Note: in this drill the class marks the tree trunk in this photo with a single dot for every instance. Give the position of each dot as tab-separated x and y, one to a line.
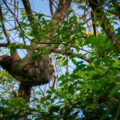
25	92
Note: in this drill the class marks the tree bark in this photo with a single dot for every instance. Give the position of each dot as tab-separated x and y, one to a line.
116	4
100	16
25	91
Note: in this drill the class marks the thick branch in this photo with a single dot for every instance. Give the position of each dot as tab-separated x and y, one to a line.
51	7
13	45
64	52
58	17
60	13
116	4
105	23
27	7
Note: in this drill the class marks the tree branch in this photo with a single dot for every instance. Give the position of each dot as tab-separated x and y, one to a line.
14	54
64	52
60	13
69	53
15	17
51	7
12	13
93	23
8	88
3	26
116	4
27	7
105	23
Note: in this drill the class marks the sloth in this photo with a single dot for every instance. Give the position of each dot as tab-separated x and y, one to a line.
28	71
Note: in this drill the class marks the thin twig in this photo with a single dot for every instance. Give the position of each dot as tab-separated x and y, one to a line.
3	26
8	88
15	18
12	13
15	12
42	92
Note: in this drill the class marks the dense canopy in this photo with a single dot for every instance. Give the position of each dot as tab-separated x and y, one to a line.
61	62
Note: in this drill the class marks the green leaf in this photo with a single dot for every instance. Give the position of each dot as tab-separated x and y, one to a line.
54	109
1	37
89	40
65	62
40	16
74	61
115	91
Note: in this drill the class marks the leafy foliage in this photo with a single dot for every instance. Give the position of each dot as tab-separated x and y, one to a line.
90	91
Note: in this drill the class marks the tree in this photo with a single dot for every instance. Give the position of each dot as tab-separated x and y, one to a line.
92	85
28	71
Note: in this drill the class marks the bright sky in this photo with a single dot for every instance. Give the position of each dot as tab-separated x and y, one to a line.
39	6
